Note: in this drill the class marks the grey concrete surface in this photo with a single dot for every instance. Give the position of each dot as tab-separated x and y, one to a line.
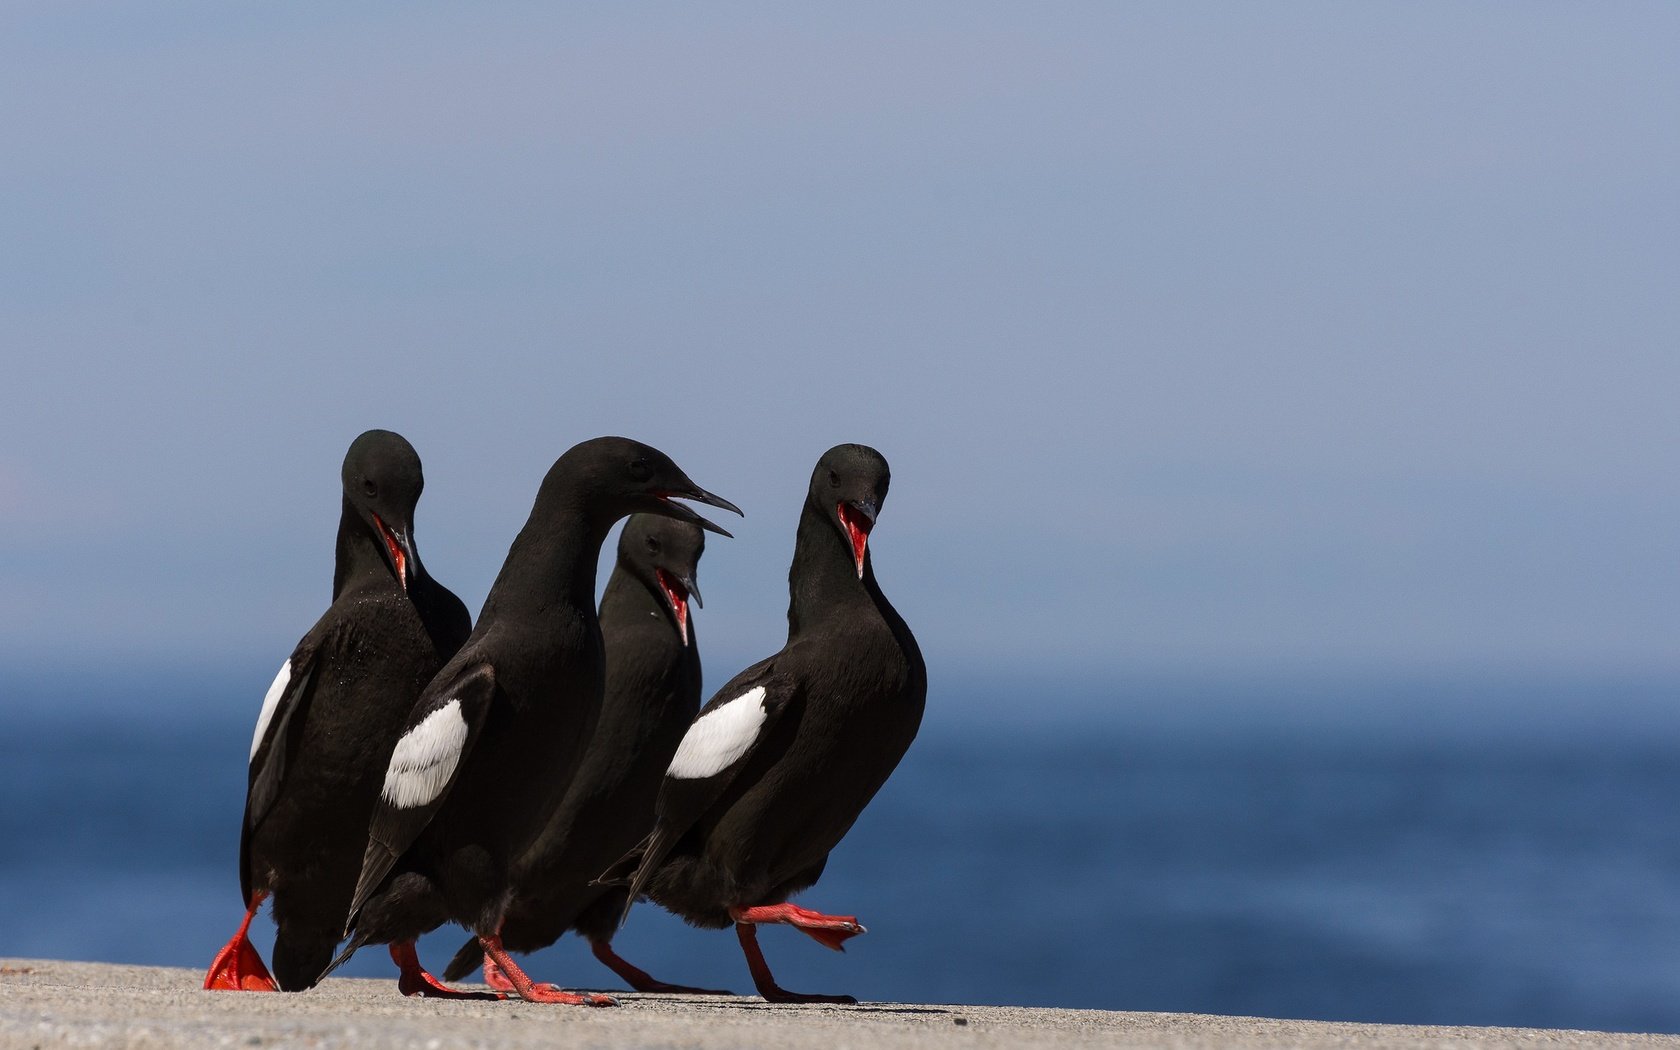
67	1004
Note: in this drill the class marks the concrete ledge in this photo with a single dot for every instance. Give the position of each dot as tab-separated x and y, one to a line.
56	1004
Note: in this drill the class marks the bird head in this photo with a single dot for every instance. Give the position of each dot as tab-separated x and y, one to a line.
848	487
665	556
382	482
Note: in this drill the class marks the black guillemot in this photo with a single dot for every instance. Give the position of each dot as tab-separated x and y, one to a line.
783	759
345	692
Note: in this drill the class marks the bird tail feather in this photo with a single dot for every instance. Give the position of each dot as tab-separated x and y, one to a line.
635	868
350	949
466	960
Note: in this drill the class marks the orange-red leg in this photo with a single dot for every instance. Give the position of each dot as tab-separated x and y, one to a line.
495	978
762	979
414	980
529	990
640	979
238	967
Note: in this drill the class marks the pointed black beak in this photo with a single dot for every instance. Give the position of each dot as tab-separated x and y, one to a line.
693	590
698	495
869	508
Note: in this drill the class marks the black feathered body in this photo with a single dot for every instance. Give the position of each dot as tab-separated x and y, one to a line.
548	670
652	694
848	690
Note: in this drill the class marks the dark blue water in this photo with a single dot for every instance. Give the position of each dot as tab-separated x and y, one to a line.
1381	877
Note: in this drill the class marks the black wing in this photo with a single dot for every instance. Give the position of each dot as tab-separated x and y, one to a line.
718	745
280	723
423	767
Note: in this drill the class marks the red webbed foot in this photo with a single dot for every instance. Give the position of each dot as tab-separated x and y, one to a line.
238	967
414	980
640	979
765	982
531	991
544	992
831	931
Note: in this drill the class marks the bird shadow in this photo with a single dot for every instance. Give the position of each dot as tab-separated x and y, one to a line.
747	1002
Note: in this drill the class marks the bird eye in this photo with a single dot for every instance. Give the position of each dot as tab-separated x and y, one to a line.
653	545
369	487
834	479
640	469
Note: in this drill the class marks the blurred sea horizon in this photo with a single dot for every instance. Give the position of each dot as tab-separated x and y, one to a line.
1416	850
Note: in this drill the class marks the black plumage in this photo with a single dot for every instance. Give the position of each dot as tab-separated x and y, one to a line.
783	759
652	694
344	693
494	740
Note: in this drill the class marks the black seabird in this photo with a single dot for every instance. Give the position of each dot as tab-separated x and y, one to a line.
491	745
652	694
781	761
346	690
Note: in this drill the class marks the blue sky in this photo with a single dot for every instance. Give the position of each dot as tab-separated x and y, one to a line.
1201	338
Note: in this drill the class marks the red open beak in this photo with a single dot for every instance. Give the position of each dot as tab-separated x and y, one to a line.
677	595
398	550
858	523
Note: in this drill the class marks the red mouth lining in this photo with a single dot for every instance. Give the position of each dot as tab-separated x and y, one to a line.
398	559
857	530
677	595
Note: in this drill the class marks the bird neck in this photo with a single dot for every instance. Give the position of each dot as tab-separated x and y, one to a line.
358	560
823	579
443	615
552	560
628	598
631	602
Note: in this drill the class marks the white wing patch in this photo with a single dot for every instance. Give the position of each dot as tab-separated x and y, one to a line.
425	758
718	738
271	700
